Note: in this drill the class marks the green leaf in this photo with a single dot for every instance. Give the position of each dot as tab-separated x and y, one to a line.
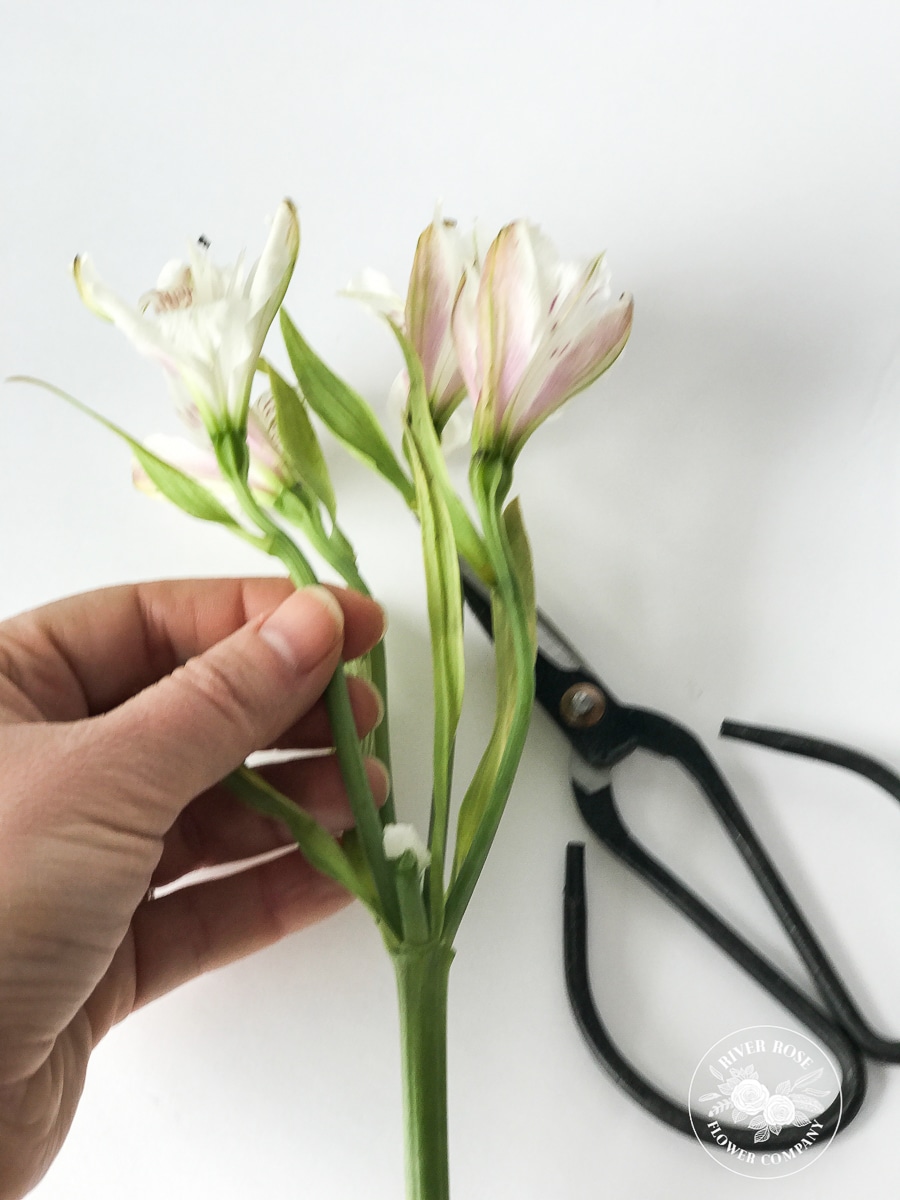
299	442
183	490
448	665
301	510
443	586
480	791
521	563
491	479
343	410
316	844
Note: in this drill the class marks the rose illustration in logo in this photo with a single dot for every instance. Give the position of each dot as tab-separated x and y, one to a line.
781	1111
749	1102
750	1096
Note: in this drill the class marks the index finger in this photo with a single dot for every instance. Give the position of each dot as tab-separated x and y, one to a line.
86	654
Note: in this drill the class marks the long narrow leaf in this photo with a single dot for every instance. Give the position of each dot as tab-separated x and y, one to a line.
342	409
299	442
183	490
316	844
521	562
490	484
478	795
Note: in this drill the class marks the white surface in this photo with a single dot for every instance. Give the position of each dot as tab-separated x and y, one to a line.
715	525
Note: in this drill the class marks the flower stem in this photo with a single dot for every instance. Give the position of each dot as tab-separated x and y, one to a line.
378	662
362	803
338	552
422	974
337	699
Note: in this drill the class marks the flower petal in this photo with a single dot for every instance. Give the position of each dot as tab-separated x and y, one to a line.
464	326
273	272
374	290
437	269
570	367
510	313
186	455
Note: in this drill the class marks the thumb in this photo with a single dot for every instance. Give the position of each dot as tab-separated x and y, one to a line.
177	738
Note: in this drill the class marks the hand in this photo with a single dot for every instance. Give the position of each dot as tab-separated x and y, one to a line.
120	712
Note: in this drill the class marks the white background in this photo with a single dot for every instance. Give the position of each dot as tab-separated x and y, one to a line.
715	524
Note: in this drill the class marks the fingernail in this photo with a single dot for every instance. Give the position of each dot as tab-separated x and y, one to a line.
377	697
377	767
305	628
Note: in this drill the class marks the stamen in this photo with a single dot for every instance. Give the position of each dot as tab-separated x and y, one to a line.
168	299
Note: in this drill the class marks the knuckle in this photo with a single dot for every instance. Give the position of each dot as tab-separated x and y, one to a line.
222	691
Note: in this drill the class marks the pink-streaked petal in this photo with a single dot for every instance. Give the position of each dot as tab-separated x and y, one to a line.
584	295
578	304
553	277
436	273
464	326
509	311
574	368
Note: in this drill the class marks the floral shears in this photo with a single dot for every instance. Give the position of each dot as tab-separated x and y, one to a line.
602	732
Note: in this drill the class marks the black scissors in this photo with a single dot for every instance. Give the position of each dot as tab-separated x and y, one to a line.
603	732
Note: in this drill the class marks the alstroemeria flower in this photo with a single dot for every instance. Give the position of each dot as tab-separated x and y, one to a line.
441	259
205	324
530	332
269	474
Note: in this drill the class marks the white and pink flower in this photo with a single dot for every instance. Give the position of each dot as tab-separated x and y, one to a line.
443	255
531	331
205	324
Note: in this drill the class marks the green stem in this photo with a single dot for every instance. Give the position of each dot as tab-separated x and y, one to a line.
416	931
378	662
337	698
378	659
344	562
362	802
422	974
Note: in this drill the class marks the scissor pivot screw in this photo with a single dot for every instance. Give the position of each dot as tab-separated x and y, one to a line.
582	705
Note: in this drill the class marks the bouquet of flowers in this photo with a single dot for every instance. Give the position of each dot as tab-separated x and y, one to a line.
518	332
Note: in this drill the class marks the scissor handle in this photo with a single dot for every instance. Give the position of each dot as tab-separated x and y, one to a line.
839	1113
805	746
665	737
